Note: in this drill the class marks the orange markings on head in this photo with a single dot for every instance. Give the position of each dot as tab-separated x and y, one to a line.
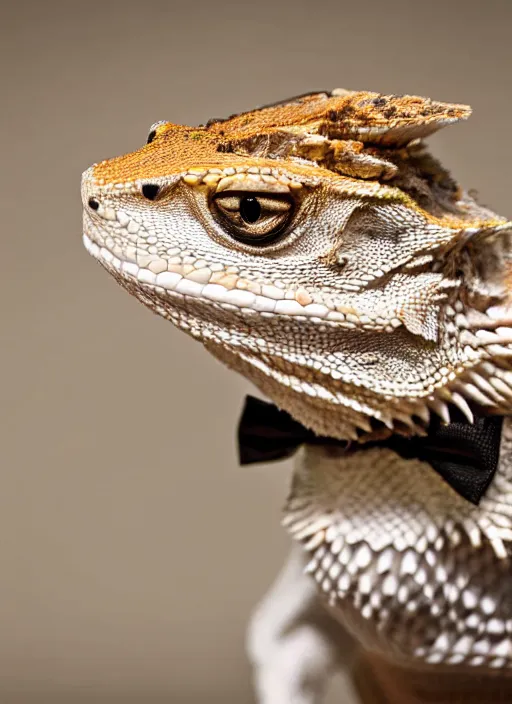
351	110
343	115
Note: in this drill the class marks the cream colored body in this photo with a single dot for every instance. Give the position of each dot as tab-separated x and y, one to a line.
413	572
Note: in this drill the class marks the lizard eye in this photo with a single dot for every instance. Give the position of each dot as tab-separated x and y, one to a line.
153	130
254	218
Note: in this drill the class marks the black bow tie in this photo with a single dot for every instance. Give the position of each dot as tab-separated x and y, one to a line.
465	455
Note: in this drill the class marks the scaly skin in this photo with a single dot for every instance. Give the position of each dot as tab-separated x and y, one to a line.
316	247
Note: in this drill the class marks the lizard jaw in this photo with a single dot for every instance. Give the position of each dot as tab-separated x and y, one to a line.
197	285
350	419
180	292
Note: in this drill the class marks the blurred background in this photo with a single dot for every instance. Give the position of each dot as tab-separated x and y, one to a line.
132	546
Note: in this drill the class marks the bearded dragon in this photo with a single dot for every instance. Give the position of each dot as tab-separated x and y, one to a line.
316	247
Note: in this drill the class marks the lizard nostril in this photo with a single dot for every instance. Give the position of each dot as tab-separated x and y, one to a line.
150	191
93	204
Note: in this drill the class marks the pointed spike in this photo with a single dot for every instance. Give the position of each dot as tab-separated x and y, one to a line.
303	534
486	337
444	393
505	334
501	387
405	419
499	312
462	405
477	319
388	422
301	529
506	376
499	548
363	422
489	369
486	387
499	351
315	541
421	410
296	518
351	432
440	408
473	532
471	391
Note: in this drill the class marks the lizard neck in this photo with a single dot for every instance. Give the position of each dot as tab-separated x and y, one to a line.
401	558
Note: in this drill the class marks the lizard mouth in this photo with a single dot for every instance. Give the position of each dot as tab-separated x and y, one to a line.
231	299
173	282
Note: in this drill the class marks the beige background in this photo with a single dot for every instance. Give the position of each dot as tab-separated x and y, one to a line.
132	546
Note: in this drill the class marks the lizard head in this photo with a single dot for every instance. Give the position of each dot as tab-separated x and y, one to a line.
316	247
